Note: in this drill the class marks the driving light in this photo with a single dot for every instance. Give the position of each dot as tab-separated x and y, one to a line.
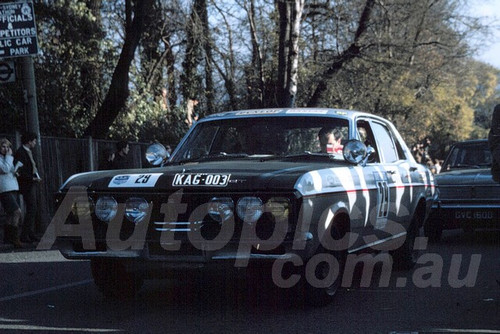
354	151
136	208
279	207
156	154
106	208
249	209
221	208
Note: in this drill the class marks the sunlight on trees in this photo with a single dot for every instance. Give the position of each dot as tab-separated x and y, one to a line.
409	61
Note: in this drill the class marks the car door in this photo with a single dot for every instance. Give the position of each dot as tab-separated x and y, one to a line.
388	180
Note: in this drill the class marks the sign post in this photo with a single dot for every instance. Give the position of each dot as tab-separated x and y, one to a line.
17	30
18	39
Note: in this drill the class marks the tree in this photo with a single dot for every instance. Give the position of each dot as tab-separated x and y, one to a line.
290	16
409	61
345	56
118	92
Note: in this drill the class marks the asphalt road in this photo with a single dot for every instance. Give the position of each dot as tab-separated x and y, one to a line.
454	289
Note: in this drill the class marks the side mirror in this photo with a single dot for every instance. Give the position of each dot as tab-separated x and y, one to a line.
356	152
156	154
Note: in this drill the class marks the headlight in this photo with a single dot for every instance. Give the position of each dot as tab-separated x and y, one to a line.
249	209
105	208
82	206
136	208
221	208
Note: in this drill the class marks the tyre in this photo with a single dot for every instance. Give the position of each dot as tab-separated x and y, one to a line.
323	273
405	257
324	278
112	279
433	229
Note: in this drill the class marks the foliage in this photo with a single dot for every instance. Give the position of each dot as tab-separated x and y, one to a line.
406	60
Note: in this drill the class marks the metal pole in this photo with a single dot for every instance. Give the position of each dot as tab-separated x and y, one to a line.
32	124
28	79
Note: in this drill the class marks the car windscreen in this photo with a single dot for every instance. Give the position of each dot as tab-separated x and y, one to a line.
258	136
475	155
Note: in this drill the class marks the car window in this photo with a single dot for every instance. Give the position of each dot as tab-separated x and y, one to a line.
260	136
386	143
365	135
466	156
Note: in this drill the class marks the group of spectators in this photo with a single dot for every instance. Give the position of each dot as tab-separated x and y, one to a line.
118	159
19	176
422	154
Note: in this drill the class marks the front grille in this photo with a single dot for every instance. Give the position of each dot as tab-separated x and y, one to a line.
177	226
187	218
194	218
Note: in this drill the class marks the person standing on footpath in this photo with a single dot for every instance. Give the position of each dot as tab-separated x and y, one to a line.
9	196
28	178
122	159
107	160
494	143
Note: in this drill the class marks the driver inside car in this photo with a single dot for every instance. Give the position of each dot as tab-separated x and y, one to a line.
330	140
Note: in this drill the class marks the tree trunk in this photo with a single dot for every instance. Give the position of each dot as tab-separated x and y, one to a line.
118	91
208	44
91	71
256	72
290	13
350	53
293	57
284	10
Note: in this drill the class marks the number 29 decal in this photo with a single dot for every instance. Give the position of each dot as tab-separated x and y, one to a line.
134	180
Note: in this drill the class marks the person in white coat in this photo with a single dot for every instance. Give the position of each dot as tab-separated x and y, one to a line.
9	196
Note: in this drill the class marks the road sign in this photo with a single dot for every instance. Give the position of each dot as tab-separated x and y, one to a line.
7	72
17	30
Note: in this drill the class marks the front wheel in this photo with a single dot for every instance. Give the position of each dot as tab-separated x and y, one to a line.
323	275
113	280
405	257
433	229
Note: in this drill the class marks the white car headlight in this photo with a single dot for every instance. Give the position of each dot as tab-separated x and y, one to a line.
249	209
221	208
136	208
106	208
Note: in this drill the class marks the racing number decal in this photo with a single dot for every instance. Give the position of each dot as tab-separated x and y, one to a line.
143	178
134	180
383	199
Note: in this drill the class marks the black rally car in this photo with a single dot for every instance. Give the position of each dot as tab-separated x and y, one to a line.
250	187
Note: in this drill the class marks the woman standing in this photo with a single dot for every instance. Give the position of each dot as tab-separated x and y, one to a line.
9	193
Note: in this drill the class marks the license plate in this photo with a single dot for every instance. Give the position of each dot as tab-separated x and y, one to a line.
476	215
200	179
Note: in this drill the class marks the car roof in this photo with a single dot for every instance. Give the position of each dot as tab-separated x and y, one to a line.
267	112
470	142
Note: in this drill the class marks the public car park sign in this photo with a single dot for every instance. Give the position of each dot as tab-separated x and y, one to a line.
17	30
